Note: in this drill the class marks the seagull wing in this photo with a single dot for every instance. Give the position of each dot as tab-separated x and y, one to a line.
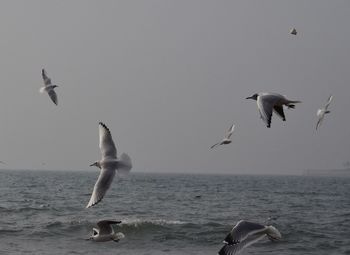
52	95
328	102
213	146
230	131
320	115
47	80
101	186
231	249
265	106
278	109
105	226
107	146
242	230
319	122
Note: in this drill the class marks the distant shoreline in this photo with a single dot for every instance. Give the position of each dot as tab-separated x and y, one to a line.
324	172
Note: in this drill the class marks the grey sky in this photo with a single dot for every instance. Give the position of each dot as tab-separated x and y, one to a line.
169	77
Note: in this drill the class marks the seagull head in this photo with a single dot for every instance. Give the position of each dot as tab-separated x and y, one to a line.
254	97
97	164
93	235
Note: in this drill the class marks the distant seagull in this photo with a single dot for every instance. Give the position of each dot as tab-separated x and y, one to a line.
108	164
268	102
227	139
105	232
49	87
245	233
293	31
323	111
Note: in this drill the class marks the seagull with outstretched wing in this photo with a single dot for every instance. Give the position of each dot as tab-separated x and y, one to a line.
244	234
105	232
108	165
227	138
48	87
271	102
323	111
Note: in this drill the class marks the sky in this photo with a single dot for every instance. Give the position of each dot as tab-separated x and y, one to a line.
169	78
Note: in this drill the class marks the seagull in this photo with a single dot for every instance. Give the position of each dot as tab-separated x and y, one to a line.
245	233
268	102
227	139
108	165
105	232
49	87
323	111
293	31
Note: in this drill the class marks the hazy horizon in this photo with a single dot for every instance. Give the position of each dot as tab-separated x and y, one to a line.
168	78
340	173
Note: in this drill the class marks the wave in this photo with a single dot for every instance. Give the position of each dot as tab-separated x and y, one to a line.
157	222
42	207
7	231
129	227
147	230
136	224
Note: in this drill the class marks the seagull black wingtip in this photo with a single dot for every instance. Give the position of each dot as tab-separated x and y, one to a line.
104	125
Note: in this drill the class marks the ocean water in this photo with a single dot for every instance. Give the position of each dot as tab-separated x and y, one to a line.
43	212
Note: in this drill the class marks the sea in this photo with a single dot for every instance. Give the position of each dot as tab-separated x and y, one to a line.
43	212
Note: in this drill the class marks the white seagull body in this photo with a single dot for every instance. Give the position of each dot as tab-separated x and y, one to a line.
108	165
293	31
245	233
105	232
271	102
49	87
227	139
322	112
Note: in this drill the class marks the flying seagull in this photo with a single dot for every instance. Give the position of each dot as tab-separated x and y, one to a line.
227	139
293	31
323	111
245	233
269	102
49	87
108	165
105	232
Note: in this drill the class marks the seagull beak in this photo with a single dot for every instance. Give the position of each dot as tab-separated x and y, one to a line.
87	239
249	98
93	164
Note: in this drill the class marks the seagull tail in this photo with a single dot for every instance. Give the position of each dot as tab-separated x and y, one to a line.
124	162
118	236
291	104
